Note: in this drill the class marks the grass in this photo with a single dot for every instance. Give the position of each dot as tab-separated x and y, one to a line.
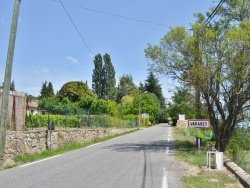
187	152
26	158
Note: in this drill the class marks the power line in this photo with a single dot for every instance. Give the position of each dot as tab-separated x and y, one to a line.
211	16
115	15
76	28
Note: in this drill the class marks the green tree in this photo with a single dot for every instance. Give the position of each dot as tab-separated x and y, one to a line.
109	80
74	90
103	77
12	86
46	90
146	103
125	87
215	60
50	90
97	79
152	85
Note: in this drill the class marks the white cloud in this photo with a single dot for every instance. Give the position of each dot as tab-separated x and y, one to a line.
72	60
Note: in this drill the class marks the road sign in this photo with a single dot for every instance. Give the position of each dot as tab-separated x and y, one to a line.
199	123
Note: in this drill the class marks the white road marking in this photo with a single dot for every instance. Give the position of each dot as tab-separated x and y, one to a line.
168	139
115	137
164	182
167	150
39	161
92	145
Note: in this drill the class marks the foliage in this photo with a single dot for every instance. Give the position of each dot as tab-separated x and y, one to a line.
214	62
103	77
126	86
152	85
183	103
238	147
109	80
60	121
86	102
74	91
97	76
56	106
105	107
147	103
46	90
12	86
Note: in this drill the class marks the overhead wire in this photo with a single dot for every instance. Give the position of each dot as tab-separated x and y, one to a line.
211	16
76	28
115	15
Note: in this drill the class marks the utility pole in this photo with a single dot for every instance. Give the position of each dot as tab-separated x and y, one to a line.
7	82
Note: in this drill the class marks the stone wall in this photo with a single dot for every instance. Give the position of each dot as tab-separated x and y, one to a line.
16	110
21	142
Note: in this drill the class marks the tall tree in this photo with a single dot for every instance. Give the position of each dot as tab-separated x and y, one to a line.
109	80
97	79
103	77
50	90
43	91
46	90
152	85
222	70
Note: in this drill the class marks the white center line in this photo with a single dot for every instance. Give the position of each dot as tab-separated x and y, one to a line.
164	182
39	161
167	150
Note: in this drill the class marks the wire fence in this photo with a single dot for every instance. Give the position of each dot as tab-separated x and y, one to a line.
82	118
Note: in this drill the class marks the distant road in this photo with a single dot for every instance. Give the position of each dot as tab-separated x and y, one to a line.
143	159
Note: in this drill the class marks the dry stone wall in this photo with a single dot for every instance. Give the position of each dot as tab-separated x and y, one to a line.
21	142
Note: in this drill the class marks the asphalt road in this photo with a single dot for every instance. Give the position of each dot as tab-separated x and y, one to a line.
139	160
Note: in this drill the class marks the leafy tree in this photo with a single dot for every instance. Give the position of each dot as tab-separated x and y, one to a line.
126	86
86	102
126	105
109	80
46	90
97	79
152	85
215	60
183	103
74	90
105	107
146	103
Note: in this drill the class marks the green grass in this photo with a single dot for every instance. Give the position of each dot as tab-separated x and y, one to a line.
25	158
186	151
210	180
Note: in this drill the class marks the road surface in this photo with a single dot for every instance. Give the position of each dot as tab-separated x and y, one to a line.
143	159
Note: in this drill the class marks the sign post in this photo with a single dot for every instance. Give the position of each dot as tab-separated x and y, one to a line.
198	123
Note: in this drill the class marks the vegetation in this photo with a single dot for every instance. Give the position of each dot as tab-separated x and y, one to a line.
198	177
46	90
74	91
103	77
214	62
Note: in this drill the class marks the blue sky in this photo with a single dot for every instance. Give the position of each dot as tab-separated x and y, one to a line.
49	48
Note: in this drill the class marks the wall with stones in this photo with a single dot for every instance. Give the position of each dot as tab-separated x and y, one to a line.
21	142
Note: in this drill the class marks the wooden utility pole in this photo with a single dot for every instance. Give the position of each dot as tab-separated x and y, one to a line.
7	82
